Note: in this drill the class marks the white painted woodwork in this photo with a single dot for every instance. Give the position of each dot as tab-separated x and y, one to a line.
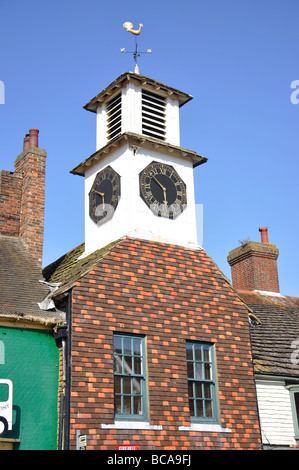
275	412
132	115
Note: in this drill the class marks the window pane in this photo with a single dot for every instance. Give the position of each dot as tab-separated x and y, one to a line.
198	356
127	405
117	345
191	406
137	365
136	386
127	385
117	404
209	409
208	391
127	346
137	347
199	408
198	370
128	365
208	371
137	406
190	372
118	364
198	390
190	389
206	353
189	352
117	385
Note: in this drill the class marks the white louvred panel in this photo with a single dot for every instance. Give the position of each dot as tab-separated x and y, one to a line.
114	117
153	115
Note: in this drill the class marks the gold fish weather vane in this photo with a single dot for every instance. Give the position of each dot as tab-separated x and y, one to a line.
136	53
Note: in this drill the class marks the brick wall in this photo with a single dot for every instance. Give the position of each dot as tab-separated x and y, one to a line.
254	267
32	164
10	202
22	199
170	295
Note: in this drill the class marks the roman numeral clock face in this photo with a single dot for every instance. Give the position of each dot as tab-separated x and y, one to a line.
104	195
162	190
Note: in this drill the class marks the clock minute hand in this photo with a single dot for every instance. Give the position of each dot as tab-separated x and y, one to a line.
164	190
161	186
164	194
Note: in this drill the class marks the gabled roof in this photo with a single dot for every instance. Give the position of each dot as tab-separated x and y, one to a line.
275	338
20	286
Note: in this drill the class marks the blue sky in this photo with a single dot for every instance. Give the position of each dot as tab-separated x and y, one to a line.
237	58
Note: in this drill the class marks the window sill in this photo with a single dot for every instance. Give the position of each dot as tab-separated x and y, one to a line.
204	427
132	425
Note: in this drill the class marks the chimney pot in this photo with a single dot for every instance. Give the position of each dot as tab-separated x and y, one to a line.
26	141
264	234
33	137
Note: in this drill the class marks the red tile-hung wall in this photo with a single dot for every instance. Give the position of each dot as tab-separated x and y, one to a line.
171	295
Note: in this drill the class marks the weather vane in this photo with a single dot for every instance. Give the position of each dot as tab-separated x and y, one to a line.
136	53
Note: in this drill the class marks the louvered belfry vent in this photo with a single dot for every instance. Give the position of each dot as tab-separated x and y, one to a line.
114	117
153	115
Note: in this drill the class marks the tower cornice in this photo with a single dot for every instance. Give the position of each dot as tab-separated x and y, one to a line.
135	141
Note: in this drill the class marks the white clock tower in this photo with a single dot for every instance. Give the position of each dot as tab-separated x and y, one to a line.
139	182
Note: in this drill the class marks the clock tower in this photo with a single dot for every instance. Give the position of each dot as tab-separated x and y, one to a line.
153	329
139	182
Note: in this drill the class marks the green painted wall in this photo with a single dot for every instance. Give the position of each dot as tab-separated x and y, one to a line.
30	358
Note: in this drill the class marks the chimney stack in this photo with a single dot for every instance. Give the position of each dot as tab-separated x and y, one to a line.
254	265
23	197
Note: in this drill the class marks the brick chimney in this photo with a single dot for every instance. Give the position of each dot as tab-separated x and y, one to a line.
22	197
254	265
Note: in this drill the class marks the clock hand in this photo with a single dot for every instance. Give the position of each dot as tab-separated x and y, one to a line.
101	194
164	189
164	194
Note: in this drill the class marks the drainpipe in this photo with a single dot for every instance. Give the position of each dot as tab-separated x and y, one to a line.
63	335
68	372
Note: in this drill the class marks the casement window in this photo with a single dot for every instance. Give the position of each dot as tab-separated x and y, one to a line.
201	382
129	377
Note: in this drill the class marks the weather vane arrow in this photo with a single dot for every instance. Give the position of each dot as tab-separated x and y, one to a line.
136	53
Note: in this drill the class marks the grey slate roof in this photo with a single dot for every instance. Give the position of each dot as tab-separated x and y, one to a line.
275	339
20	286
